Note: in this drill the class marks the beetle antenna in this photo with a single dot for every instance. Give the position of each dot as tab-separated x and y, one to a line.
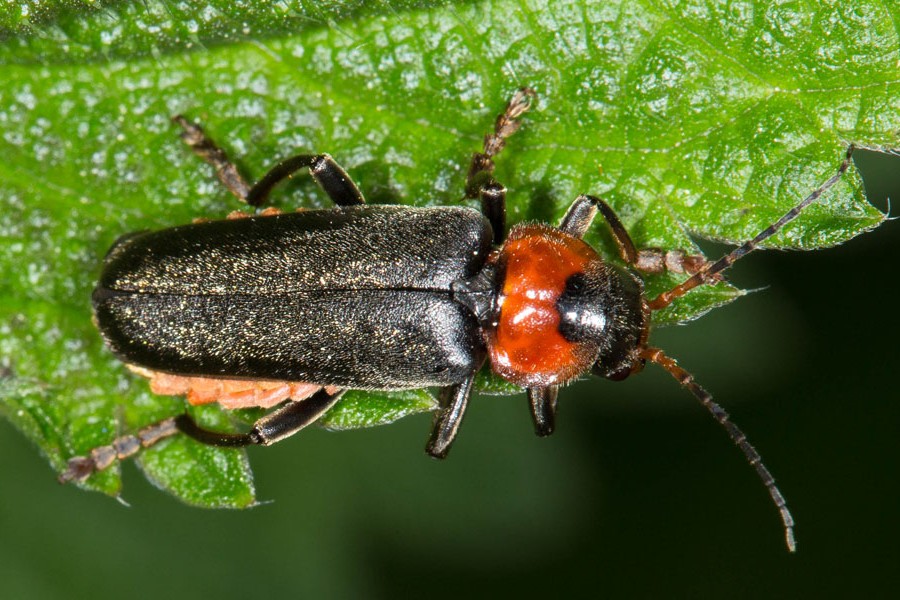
737	436
707	275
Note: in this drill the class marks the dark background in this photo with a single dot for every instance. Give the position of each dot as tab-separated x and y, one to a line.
638	494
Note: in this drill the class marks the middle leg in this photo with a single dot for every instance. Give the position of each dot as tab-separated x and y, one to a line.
323	169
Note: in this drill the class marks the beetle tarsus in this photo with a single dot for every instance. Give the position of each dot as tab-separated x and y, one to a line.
203	146
657	260
79	468
507	122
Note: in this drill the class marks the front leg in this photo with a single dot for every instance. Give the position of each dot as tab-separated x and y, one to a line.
480	182
657	260
581	214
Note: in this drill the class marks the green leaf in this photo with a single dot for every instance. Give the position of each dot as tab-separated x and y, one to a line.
201	475
694	118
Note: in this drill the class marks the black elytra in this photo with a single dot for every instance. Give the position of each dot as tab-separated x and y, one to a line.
389	298
331	297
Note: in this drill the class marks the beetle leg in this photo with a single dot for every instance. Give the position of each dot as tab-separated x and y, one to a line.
709	274
482	167
480	182
80	468
327	173
272	428
657	260
194	136
578	220
453	400
543	408
580	215
493	207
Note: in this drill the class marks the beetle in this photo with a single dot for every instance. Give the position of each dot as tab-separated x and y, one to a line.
296	308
